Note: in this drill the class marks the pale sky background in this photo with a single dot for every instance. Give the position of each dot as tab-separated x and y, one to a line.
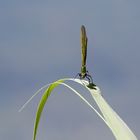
39	43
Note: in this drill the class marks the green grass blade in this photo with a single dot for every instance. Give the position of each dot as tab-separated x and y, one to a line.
111	119
47	94
42	104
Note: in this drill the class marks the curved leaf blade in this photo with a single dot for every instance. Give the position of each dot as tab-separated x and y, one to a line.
109	116
42	104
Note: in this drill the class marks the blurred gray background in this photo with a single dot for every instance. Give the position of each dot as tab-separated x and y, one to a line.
39	43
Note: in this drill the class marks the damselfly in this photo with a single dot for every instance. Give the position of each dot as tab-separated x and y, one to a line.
84	73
